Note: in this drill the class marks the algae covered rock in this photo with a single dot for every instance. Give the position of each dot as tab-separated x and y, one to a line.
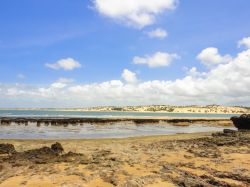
242	122
57	148
7	149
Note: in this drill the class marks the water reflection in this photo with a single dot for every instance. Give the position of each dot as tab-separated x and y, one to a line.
94	131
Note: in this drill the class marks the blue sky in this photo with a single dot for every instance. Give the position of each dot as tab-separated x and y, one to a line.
105	42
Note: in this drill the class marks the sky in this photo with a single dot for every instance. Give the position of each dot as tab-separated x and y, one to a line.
83	53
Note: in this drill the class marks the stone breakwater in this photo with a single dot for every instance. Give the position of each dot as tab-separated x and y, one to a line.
81	121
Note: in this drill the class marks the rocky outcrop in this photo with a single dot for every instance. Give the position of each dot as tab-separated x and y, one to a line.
80	121
242	122
7	149
42	155
57	148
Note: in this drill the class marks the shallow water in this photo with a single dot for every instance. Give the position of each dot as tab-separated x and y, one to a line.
54	113
93	131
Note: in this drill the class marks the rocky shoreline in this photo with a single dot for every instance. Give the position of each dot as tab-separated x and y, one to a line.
218	159
81	121
242	122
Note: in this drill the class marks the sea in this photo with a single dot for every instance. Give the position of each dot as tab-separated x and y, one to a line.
58	113
97	131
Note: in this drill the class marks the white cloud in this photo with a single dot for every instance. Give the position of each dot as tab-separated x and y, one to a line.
210	57
193	72
158	59
58	85
138	13
129	76
61	83
244	42
226	83
67	64
65	80
158	33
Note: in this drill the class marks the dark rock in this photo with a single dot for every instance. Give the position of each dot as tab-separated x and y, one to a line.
38	124
74	157
213	182
42	155
242	122
5	122
57	148
42	152
189	180
229	131
235	176
1	168
7	149
144	121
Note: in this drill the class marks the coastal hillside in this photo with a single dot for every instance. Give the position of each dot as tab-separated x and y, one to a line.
176	109
209	109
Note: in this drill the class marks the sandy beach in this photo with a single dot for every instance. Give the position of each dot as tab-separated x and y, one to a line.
201	159
191	109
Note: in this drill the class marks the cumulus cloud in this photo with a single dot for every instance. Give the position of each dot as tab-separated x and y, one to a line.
193	72
158	59
66	64
129	76
227	83
58	85
210	57
158	33
244	42
138	13
61	83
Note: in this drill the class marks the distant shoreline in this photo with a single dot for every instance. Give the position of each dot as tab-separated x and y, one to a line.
164	109
84	110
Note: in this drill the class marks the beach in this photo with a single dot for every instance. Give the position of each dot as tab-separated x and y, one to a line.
124	93
221	159
123	151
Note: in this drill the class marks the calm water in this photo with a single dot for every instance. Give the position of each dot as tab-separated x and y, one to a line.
88	131
44	113
93	131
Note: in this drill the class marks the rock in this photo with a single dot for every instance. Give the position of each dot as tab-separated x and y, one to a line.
57	148
145	121
74	157
132	183
42	152
242	122
1	168
7	149
229	131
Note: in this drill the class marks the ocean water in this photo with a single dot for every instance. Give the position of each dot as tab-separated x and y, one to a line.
54	113
94	131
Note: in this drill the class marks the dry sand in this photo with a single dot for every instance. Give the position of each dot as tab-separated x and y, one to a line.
161	161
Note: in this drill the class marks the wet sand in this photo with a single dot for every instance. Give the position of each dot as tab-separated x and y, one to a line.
176	160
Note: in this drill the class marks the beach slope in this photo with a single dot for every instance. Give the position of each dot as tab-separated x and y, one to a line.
221	159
